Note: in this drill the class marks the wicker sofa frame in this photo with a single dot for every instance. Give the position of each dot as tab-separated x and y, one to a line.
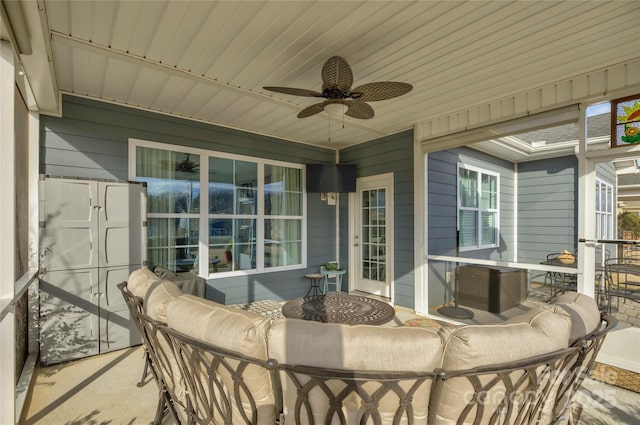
535	390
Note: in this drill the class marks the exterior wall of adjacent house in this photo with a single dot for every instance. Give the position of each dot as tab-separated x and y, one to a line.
90	140
391	154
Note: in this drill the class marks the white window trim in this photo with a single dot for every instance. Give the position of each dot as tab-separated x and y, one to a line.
204	215
480	172
610	232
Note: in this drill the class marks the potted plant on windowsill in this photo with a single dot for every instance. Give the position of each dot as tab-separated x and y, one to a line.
227	253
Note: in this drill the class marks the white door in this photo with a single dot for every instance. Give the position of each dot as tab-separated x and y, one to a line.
372	233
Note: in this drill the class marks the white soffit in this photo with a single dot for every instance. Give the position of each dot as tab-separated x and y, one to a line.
208	60
489	120
522	124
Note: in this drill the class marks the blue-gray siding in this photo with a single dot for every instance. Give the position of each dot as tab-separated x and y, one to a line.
547	207
442	202
90	140
391	154
442	212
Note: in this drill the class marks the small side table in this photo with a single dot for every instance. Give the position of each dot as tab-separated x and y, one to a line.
314	282
328	274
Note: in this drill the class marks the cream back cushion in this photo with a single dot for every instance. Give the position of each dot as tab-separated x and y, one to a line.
140	281
231	329
359	347
158	296
473	346
581	309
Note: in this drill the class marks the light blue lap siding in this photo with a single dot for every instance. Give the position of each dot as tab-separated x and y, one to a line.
443	201
548	205
442	204
392	154
90	140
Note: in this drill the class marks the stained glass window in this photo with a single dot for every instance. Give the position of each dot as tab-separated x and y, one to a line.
625	119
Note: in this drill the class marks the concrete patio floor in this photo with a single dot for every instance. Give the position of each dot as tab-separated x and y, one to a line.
101	390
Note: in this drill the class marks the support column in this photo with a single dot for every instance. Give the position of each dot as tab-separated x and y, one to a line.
8	240
586	210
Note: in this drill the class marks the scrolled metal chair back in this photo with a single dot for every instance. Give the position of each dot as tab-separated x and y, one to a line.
136	310
514	393
530	391
588	348
225	387
163	365
318	396
133	304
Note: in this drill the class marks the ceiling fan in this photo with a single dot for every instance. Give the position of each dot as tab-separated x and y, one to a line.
187	165
337	79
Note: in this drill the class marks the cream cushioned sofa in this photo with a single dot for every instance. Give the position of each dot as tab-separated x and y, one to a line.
360	348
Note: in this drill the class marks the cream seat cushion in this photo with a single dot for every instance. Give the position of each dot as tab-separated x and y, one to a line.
364	347
473	346
230	329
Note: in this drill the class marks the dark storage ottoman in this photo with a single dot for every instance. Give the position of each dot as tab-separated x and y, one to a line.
491	288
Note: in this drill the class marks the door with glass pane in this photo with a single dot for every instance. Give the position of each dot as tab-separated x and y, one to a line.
373	235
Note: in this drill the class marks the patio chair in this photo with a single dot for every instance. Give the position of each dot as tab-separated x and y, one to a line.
135	303
589	347
529	391
224	387
157	361
622	280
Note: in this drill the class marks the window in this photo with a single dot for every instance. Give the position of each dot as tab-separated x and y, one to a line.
604	210
478	215
250	217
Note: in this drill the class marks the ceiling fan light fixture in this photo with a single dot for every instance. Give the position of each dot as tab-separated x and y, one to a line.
337	79
335	109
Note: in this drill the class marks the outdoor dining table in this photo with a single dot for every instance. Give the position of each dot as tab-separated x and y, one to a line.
560	281
337	307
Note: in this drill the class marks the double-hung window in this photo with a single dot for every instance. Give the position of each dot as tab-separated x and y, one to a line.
216	213
478	208
604	210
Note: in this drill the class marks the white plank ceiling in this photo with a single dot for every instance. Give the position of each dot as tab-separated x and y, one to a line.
208	61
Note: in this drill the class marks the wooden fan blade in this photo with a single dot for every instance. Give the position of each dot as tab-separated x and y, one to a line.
336	74
294	91
359	109
312	110
382	90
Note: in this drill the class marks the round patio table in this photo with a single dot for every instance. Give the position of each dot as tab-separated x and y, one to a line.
339	308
